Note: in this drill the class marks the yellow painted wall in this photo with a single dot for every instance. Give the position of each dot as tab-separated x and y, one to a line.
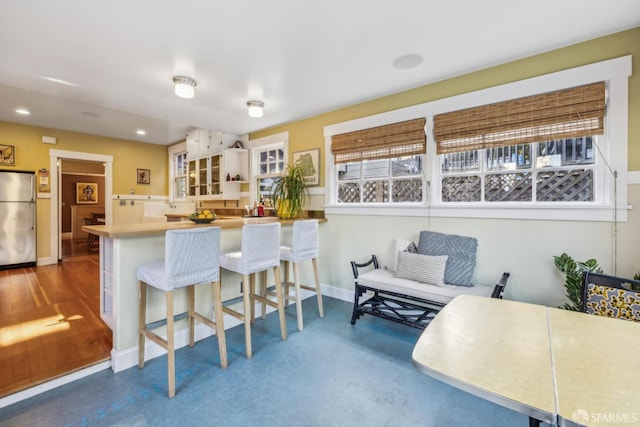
31	155
525	248
308	133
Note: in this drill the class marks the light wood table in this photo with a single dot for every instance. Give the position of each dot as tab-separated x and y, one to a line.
556	366
596	363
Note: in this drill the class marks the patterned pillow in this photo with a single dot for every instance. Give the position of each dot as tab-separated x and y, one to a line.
612	302
421	268
412	248
461	251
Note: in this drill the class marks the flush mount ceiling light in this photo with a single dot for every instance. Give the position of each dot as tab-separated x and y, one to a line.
255	108
184	86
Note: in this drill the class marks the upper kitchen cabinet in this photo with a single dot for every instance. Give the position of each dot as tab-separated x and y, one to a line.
218	176
213	170
202	142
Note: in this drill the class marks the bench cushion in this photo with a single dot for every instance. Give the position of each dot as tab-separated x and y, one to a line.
385	281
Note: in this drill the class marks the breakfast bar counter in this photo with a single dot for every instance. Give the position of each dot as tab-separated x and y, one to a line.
123	247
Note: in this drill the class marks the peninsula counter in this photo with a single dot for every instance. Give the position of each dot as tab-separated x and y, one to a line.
123	247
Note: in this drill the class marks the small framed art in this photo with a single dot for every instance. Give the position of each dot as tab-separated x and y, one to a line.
7	155
143	176
309	161
86	193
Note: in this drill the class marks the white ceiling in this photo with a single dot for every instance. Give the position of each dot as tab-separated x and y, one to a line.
301	58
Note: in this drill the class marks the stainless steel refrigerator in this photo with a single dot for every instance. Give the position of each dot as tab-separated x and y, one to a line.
17	219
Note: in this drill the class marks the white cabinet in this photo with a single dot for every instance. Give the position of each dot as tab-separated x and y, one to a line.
207	176
210	163
201	142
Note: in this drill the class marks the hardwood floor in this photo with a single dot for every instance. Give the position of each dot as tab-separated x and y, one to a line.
50	320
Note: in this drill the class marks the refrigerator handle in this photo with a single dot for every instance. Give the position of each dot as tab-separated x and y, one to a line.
33	216
33	187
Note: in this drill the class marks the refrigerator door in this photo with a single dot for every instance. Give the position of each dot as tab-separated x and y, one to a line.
17	187
17	234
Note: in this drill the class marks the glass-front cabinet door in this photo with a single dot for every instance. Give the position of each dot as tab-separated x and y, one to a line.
192	178
204	177
203	180
214	175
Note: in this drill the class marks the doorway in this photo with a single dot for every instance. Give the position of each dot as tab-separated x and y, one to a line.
57	157
76	176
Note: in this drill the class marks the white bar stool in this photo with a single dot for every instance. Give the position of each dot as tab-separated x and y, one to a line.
191	258
260	251
303	246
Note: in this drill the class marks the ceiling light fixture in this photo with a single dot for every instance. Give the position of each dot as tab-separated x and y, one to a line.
255	108
23	111
184	86
141	132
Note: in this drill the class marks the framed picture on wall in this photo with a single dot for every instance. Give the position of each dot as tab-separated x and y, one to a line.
86	193
143	176
7	155
309	161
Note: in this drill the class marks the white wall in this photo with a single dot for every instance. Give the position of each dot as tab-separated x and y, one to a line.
525	248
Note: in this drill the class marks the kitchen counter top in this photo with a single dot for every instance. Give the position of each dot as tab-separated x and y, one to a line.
158	228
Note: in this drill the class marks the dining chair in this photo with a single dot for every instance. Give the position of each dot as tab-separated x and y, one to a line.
259	252
191	258
610	296
303	247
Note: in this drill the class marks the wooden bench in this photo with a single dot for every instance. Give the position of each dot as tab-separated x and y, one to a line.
379	293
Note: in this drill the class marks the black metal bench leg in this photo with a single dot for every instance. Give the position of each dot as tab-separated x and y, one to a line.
533	422
356	299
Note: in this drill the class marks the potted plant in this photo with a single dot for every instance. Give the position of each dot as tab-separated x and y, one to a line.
289	192
573	272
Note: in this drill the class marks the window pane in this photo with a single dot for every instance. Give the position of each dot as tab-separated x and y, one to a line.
349	171
511	157
349	192
460	162
462	189
375	168
508	187
375	191
575	185
407	190
406	166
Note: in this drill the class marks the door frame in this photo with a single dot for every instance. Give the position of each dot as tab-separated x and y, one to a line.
55	156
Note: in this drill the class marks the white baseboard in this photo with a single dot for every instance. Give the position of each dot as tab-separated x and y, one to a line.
46	261
127	358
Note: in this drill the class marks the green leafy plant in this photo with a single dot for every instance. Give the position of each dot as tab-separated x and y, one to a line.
573	272
289	192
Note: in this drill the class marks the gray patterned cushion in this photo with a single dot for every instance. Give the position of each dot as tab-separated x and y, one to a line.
461	251
421	268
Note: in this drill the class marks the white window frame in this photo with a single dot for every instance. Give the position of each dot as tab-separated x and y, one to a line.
614	146
174	151
260	145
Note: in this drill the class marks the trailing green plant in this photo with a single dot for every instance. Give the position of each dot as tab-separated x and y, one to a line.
289	192
573	272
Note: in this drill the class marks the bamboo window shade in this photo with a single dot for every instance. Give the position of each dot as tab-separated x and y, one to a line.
567	113
382	142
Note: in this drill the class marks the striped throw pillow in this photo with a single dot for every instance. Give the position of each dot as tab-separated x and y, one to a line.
421	268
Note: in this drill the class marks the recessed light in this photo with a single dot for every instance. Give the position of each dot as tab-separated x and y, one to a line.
141	132
407	61
23	111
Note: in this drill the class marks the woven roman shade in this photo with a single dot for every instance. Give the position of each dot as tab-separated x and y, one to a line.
567	113
382	142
